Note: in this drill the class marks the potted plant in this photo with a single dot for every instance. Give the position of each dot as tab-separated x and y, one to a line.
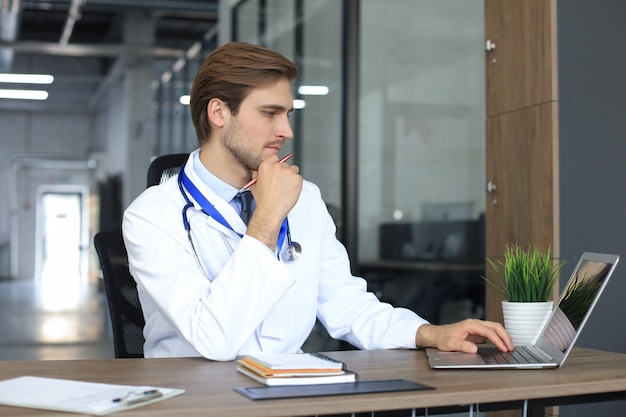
526	279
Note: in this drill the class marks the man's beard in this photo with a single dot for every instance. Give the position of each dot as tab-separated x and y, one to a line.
245	156
238	150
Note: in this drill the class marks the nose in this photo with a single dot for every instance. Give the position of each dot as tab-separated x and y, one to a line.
283	129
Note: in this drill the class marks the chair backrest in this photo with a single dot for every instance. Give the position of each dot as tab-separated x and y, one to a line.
164	167
127	318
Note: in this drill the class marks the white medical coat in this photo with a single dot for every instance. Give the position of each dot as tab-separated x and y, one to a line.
249	301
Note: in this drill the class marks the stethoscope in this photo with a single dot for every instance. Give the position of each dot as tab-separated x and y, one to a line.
290	253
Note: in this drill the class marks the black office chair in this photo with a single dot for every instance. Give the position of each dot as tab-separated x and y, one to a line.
125	310
127	318
164	167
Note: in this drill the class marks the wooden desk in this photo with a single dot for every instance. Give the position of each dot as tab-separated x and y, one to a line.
210	385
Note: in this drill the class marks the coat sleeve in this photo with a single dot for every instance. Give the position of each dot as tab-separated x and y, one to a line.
351	313
215	314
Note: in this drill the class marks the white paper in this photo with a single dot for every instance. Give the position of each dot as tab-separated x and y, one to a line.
74	396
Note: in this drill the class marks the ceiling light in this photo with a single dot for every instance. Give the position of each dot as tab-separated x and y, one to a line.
313	90
297	103
178	65
194	50
166	77
26	78
24	94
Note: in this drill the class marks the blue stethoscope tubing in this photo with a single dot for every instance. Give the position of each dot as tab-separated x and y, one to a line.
292	251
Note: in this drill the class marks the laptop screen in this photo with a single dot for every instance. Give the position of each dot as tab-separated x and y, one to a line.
577	300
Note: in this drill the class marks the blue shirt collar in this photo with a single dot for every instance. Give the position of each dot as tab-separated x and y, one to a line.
221	188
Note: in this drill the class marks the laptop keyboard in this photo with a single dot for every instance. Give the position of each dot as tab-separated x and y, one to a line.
521	354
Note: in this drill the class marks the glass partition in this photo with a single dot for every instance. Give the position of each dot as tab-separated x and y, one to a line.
246	20
421	152
420	160
321	118
309	33
421	133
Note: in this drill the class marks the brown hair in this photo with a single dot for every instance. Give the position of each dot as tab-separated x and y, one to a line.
229	73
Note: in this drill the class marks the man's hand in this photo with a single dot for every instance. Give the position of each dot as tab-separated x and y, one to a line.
276	191
463	336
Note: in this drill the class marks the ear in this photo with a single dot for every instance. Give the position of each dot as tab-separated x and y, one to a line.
217	112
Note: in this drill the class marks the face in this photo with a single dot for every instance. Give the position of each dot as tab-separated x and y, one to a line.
261	126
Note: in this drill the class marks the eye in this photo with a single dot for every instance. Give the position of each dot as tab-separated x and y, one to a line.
270	113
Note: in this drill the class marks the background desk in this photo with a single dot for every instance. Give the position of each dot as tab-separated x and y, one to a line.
587	375
390	266
431	284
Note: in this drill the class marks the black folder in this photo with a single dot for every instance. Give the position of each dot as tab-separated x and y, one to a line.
360	387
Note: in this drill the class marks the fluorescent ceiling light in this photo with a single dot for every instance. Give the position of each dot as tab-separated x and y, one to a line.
194	50
178	65
166	77
26	78
24	94
313	90
297	103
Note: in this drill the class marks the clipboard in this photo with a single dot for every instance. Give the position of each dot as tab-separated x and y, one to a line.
78	396
360	387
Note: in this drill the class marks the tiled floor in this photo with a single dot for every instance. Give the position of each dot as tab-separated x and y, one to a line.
40	321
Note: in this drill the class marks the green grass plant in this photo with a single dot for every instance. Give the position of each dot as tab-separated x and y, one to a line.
525	275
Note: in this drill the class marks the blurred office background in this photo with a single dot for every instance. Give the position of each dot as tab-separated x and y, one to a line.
391	127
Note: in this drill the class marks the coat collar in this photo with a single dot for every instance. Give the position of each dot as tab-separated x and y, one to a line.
223	206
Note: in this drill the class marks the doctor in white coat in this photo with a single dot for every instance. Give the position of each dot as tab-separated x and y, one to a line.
212	286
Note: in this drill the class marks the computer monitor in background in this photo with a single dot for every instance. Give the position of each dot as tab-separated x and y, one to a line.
452	241
448	211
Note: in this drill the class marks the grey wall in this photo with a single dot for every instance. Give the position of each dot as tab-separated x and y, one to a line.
29	143
592	101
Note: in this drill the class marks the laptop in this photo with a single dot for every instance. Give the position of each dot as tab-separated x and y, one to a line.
556	339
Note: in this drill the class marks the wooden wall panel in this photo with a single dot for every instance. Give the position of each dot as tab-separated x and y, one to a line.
523	208
521	70
522	133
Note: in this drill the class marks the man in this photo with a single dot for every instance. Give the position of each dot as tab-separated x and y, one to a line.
212	286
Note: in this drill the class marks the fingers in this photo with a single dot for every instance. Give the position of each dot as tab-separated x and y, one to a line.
463	336
497	335
276	191
488	330
278	183
275	169
467	347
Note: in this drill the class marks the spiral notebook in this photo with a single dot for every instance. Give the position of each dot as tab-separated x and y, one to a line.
279	369
274	364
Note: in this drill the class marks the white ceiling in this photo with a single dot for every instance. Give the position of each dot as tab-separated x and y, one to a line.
81	43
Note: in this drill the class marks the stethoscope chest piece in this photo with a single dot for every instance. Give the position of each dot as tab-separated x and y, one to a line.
292	252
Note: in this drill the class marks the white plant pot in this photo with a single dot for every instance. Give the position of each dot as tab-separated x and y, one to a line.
524	321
